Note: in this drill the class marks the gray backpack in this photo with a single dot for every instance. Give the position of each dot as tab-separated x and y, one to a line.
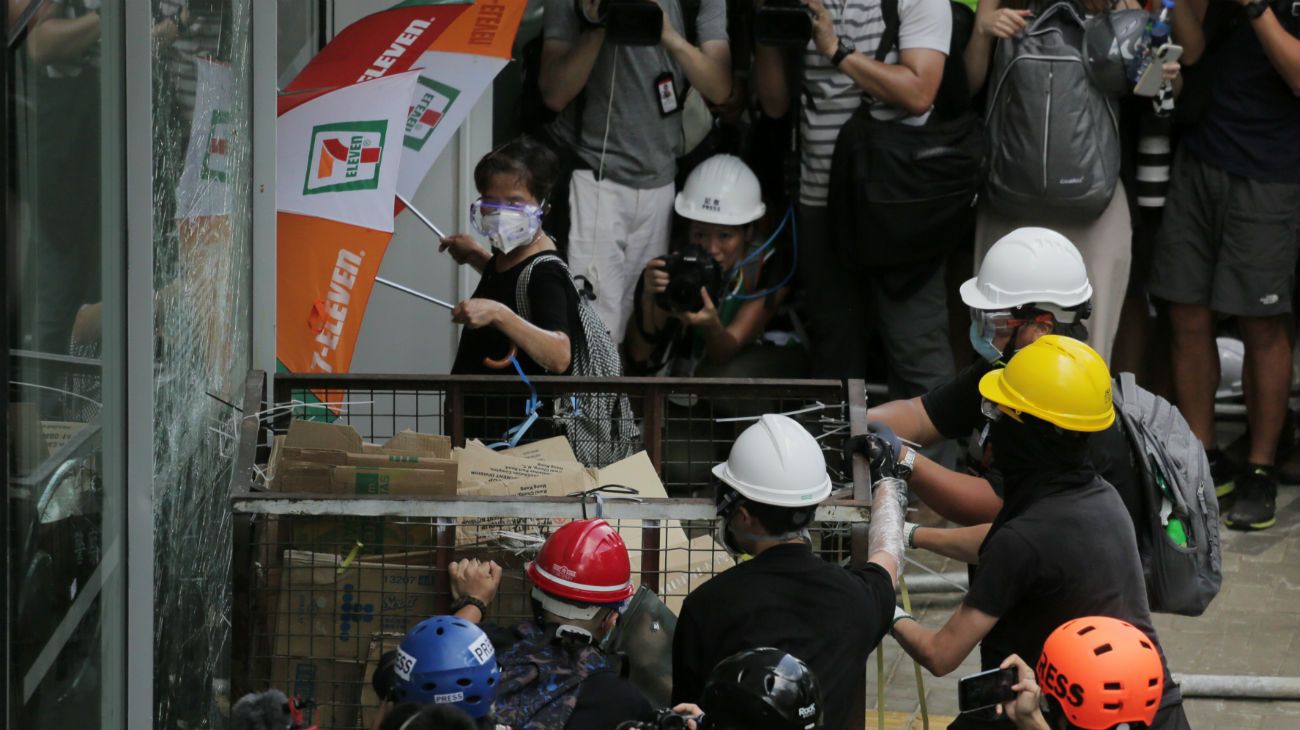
1182	563
1053	136
600	426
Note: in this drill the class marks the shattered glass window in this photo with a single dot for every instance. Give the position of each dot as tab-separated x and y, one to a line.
202	282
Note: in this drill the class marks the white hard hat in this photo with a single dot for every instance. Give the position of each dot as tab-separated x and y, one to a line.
1029	266
1232	358
722	190
777	462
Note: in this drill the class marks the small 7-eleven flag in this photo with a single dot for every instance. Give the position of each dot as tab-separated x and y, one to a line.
338	154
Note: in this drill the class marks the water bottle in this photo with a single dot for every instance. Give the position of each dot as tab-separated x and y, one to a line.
1154	36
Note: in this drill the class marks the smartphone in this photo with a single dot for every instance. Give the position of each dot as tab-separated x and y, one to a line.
986	689
1149	83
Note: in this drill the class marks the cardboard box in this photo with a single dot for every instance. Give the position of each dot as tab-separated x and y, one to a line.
328	607
334	686
331	458
379	643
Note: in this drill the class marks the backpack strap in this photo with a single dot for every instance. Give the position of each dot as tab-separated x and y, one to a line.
525	276
889	39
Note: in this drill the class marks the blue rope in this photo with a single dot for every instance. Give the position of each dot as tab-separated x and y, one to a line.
794	261
531	409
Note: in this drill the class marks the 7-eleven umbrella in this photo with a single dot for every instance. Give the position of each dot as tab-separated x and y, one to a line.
459	49
337	159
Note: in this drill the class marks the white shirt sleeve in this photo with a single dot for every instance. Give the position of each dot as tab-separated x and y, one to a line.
924	24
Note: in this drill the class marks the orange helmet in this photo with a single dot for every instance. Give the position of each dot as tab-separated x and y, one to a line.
1103	672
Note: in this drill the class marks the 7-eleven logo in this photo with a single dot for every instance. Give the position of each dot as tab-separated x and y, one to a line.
214	156
345	156
432	100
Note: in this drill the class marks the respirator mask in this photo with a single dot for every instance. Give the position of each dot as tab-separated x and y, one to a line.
506	226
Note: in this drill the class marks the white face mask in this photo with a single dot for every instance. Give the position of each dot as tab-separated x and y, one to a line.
506	226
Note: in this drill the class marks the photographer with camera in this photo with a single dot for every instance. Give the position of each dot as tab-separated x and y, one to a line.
703	311
554	673
785	596
756	689
623	146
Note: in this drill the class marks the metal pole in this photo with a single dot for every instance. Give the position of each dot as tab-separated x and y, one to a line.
423	218
414	293
1239	686
937	583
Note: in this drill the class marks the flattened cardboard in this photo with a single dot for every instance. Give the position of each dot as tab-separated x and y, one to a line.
331	458
328	607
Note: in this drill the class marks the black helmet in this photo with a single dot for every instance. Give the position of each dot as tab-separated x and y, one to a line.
762	689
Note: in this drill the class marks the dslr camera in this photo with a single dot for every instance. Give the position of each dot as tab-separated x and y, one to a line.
626	22
783	24
689	270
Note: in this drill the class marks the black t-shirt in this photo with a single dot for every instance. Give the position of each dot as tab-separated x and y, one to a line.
1251	126
605	701
552	304
786	597
954	409
1068	555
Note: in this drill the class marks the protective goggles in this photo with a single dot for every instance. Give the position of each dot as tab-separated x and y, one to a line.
480	209
992	323
990	410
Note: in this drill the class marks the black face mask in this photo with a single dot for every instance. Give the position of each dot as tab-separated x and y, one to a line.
1036	459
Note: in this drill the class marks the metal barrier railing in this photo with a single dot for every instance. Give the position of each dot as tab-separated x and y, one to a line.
325	582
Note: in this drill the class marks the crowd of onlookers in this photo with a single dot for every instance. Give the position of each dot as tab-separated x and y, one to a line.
734	203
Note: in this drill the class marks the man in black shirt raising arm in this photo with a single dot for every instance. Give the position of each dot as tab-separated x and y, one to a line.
785	596
1062	546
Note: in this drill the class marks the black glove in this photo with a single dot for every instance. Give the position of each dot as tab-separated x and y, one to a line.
880	446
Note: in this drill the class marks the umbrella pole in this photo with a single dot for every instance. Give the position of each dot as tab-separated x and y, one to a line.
423	219
414	293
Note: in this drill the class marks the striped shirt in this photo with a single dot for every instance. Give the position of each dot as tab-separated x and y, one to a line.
831	97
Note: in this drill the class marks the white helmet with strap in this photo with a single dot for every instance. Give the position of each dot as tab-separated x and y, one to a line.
1034	266
776	462
721	190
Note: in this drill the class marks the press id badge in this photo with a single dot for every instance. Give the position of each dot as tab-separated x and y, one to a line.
666	92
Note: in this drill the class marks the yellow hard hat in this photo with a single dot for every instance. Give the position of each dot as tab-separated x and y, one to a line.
1058	379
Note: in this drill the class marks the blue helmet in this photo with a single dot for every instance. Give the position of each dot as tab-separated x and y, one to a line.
447	660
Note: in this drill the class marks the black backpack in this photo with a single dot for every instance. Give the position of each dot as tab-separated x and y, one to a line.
905	195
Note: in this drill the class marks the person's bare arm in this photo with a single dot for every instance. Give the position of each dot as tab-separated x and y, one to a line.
909	419
910	84
1282	48
962	498
1188	17
62	39
708	67
549	349
944	650
770	83
722	343
566	67
992	21
958	543
654	280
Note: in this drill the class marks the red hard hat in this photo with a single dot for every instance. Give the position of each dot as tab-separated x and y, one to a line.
585	562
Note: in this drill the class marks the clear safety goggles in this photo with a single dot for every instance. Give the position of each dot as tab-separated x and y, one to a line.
481	208
991	323
990	410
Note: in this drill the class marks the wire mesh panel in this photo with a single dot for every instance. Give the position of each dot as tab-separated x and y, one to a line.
327	583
